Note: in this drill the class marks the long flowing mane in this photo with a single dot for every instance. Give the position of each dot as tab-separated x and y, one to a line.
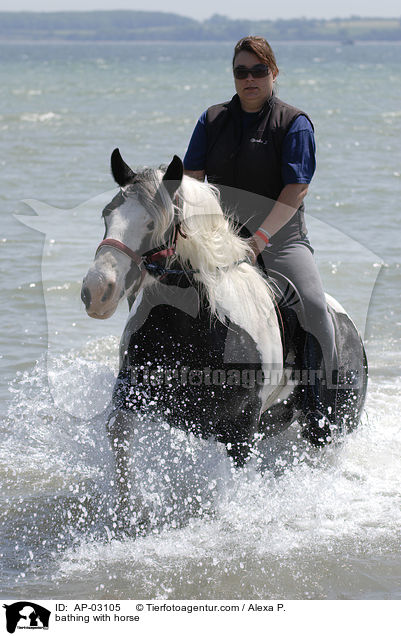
211	246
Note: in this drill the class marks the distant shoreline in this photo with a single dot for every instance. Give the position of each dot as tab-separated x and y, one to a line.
200	42
153	26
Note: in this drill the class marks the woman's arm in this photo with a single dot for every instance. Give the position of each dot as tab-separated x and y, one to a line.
288	202
195	157
298	167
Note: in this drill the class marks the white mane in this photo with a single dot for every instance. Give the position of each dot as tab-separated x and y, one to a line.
213	247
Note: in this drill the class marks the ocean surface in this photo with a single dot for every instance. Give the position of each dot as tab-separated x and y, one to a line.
295	524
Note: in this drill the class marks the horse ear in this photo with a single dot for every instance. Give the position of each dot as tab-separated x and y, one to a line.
121	172
173	176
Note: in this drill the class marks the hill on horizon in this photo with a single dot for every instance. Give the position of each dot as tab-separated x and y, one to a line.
126	25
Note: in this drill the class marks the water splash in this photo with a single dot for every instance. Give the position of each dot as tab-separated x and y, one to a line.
211	531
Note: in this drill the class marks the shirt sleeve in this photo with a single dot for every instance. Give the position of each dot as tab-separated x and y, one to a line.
299	152
195	157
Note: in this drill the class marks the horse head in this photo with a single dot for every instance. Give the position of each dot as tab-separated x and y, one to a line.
137	219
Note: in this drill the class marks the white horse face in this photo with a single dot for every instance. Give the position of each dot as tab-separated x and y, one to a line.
113	274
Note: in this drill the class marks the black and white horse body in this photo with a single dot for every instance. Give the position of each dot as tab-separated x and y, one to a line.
202	346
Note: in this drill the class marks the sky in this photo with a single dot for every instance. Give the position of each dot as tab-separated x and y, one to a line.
251	9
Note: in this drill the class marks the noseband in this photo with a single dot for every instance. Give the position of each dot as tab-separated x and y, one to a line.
110	242
150	260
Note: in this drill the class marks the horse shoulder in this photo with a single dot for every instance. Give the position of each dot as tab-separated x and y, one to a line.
250	306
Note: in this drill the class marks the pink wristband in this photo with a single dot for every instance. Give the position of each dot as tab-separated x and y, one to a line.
262	236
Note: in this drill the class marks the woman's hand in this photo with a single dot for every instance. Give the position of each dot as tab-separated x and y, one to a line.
257	245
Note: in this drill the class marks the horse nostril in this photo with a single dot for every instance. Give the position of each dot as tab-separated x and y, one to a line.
86	296
108	292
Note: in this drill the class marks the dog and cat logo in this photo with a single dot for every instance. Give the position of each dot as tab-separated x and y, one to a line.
26	615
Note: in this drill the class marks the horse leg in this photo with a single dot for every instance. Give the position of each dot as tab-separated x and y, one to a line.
239	452
118	431
342	397
282	414
238	435
119	428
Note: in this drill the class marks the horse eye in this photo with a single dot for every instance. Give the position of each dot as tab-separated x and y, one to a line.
151	226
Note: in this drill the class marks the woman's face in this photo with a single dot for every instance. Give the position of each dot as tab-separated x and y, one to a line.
252	91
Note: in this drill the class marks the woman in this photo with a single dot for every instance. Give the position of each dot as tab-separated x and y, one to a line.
265	149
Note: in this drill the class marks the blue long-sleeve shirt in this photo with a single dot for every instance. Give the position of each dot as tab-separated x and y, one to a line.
298	154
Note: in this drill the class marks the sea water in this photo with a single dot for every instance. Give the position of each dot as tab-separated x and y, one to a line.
297	523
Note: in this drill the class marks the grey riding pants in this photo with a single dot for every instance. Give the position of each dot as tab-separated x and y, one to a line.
295	260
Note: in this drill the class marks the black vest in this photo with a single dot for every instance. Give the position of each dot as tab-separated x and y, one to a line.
250	162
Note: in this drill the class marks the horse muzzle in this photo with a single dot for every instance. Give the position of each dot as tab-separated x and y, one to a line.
100	297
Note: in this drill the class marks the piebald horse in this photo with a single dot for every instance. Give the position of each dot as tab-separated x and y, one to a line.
202	347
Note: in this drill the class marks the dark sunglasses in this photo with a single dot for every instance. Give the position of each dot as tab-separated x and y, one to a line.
259	70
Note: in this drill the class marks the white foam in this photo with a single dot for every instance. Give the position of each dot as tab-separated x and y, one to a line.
204	518
39	117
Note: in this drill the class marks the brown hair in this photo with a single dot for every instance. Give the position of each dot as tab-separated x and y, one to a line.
261	48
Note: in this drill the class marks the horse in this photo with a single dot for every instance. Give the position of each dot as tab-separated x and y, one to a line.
202	348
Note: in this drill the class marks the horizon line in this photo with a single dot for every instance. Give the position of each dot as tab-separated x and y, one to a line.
303	17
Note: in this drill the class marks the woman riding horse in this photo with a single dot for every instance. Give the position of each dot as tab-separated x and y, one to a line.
258	144
202	348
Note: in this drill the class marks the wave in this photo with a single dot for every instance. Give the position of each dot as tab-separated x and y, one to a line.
39	117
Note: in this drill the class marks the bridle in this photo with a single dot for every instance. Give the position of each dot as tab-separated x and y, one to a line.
151	260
